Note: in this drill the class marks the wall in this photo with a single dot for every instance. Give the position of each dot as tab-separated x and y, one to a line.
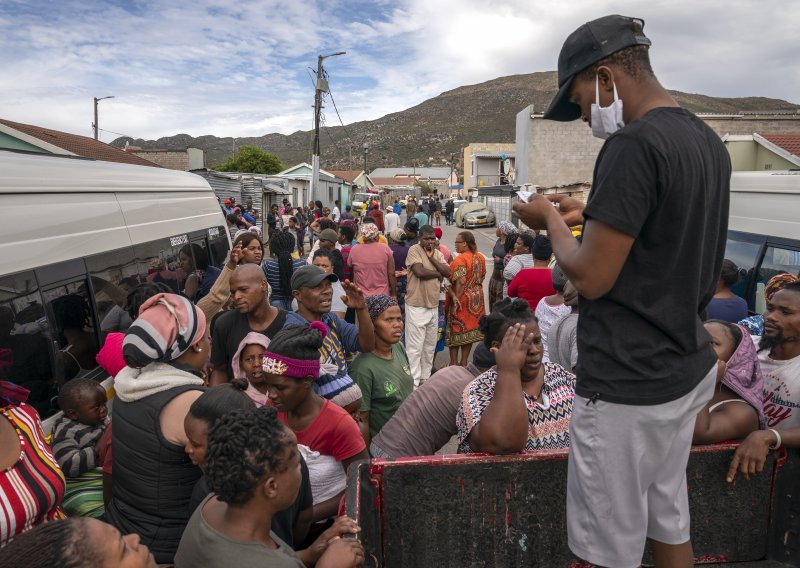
743	154
560	153
768	160
12	143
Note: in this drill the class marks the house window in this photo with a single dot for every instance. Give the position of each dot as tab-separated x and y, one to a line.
767	166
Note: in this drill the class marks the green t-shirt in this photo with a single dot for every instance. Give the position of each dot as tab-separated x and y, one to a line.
385	384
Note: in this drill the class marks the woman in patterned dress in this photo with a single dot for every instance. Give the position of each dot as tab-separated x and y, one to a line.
465	305
493	417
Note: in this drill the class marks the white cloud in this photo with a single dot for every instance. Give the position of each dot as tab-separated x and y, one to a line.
241	70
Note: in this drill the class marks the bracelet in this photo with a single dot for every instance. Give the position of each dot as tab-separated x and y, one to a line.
777	437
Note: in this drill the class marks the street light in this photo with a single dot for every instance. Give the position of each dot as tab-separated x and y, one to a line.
95	126
366	149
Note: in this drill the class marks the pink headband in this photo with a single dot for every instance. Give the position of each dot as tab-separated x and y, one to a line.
288	367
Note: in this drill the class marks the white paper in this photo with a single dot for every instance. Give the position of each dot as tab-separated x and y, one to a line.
524	195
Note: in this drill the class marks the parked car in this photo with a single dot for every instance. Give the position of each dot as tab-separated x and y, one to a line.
474	214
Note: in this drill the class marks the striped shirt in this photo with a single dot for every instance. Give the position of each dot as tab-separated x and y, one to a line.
74	445
273	274
30	490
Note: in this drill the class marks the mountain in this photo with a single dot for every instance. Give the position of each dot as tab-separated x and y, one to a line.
428	133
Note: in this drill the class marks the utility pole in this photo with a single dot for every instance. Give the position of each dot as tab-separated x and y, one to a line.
95	125
366	148
320	87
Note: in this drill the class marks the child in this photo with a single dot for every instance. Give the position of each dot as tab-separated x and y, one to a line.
253	466
739	382
76	438
246	364
291	365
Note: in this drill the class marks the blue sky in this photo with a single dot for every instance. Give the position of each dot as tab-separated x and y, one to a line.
242	68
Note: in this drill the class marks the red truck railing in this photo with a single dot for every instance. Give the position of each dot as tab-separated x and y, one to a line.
480	510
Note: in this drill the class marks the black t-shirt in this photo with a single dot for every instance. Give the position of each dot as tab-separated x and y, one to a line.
663	179
228	330
282	522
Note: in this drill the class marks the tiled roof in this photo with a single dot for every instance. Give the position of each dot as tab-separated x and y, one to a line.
80	145
347	175
788	142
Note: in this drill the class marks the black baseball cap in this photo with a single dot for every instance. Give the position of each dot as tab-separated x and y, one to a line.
585	46
310	276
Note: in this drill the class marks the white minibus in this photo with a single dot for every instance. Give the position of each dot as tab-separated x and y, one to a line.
764	230
76	236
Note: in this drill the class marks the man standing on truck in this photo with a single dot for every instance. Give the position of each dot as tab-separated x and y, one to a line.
658	205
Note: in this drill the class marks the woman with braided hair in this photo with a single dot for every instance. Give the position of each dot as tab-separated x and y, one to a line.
253	468
330	435
280	267
493	417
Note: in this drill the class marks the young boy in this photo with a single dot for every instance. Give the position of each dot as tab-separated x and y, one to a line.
76	446
253	466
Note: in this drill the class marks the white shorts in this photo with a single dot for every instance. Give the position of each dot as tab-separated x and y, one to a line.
626	480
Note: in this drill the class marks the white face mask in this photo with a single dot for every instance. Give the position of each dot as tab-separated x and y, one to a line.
606	120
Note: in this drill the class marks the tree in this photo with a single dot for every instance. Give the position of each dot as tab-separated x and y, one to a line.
252	160
424	186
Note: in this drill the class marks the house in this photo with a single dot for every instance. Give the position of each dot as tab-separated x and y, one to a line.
331	187
759	152
439	178
489	164
184	160
358	179
30	138
263	190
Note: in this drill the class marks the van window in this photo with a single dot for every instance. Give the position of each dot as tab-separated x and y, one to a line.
744	250
159	261
217	246
777	260
69	310
114	274
25	340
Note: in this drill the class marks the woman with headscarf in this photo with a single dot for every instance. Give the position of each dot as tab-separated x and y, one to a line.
739	381
372	263
465	304
166	350
521	258
503	230
384	375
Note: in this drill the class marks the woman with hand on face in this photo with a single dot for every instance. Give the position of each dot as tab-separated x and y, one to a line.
251	246
521	404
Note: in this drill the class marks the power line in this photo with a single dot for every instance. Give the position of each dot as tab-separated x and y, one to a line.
117	133
340	116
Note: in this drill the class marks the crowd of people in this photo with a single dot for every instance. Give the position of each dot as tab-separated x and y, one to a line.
238	409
